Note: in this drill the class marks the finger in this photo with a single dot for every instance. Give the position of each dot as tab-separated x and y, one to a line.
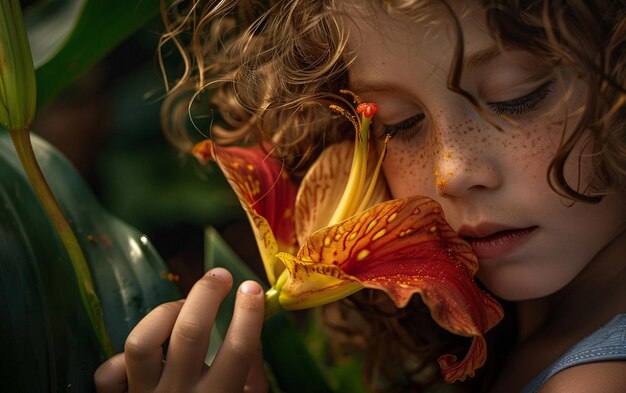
190	338
110	377
229	370
257	380
144	347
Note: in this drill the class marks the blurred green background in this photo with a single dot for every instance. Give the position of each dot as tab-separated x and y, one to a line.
107	123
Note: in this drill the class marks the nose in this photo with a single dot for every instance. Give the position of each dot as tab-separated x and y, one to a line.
466	160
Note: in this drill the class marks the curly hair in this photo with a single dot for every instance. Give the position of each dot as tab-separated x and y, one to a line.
270	69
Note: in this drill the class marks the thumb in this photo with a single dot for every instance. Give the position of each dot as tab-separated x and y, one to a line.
110	377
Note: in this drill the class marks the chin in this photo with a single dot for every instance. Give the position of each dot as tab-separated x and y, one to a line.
515	286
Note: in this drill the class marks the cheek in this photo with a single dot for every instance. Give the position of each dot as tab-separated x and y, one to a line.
408	169
514	155
533	148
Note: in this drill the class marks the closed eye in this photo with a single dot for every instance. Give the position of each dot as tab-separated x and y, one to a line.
524	104
407	128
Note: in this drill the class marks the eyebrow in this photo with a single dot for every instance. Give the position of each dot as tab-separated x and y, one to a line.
481	57
370	86
474	60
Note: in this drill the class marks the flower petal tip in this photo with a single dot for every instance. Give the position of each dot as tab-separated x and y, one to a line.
453	371
203	151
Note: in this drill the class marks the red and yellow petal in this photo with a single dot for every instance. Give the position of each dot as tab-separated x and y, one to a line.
313	284
265	191
323	185
405	247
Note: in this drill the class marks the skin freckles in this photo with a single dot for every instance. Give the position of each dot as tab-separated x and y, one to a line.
479	172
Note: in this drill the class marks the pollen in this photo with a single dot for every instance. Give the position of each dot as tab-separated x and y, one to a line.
356	98
347	115
433	229
235	164
405	232
379	234
447	154
250	167
371	226
362	255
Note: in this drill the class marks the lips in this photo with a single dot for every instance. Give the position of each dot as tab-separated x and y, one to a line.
494	240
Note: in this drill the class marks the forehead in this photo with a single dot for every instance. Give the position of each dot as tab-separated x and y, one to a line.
423	38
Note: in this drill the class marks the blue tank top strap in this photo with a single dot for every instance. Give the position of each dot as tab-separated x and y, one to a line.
606	343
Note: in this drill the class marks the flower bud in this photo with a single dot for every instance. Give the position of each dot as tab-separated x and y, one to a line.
18	90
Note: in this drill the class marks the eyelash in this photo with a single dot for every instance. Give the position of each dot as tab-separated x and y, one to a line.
409	127
523	104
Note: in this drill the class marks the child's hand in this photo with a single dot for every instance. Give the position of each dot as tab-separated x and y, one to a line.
238	364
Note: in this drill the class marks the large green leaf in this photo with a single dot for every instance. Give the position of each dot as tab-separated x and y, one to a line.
69	36
47	342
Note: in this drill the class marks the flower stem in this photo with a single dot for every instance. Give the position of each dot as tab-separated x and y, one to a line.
271	302
24	148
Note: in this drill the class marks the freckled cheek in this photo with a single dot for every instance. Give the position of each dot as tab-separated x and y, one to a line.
533	149
408	170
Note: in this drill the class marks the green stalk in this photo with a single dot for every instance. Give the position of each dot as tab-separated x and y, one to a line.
24	148
272	304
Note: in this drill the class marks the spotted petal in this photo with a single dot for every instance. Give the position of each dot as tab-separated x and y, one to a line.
266	193
323	185
402	247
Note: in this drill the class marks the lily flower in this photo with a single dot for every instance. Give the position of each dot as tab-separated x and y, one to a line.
353	237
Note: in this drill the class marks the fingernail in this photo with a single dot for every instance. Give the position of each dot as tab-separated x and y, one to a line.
220	273
250	288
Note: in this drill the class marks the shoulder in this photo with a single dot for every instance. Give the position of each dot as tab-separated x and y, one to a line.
595	364
605	376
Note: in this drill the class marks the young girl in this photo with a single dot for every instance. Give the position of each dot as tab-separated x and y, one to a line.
510	114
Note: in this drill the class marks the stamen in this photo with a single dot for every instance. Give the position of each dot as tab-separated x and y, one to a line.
372	186
356	98
385	145
347	115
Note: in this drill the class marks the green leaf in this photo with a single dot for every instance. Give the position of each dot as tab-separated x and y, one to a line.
50	24
283	348
47	341
68	37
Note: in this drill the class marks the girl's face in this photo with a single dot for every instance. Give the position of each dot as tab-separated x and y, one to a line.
491	183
